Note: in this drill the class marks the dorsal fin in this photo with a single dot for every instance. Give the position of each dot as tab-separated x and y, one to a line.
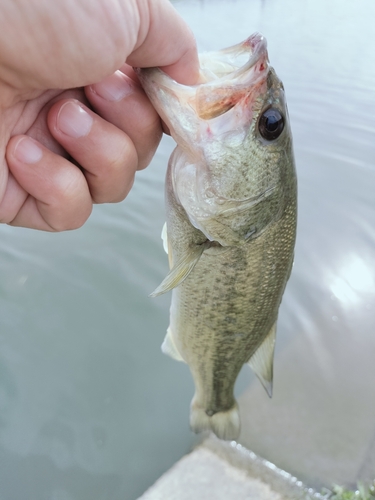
261	362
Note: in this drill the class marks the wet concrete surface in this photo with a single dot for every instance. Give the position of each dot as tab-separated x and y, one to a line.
223	470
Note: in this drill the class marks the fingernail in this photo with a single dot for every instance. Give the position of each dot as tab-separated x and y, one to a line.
28	151
114	88
73	120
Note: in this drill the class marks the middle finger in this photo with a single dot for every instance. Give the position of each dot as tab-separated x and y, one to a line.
121	100
107	155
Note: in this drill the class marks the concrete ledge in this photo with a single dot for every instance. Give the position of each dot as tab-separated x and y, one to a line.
223	470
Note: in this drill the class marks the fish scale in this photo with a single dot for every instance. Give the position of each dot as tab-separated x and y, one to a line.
231	205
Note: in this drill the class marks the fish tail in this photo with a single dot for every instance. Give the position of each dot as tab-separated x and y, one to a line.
225	424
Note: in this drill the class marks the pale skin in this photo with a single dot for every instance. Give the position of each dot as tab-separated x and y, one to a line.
75	124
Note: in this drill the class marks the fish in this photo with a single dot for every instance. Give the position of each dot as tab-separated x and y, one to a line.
231	213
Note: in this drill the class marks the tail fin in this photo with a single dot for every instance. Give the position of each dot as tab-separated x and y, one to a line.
225	424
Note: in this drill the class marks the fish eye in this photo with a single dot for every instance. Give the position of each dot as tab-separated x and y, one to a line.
271	124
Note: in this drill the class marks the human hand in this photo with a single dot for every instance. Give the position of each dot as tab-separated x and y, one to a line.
73	129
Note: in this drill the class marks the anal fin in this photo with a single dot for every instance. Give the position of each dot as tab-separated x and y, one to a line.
261	362
169	347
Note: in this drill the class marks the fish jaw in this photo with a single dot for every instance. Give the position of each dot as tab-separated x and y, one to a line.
228	79
237	188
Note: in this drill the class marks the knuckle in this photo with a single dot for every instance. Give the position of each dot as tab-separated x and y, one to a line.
116	177
6	216
148	139
124	159
69	207
114	194
67	222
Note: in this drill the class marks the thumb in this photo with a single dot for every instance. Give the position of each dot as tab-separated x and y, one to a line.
166	41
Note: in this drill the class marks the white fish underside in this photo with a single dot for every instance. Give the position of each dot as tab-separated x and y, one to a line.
231	219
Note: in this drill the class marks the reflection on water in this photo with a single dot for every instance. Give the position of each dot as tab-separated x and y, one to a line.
90	408
353	280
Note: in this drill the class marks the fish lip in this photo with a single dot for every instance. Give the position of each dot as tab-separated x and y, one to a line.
230	77
255	45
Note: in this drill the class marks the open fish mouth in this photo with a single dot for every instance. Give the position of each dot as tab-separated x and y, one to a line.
230	74
205	119
237	59
226	77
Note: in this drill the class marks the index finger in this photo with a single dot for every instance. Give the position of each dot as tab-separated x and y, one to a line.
165	40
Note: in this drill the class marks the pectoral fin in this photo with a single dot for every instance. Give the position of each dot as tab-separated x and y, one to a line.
181	270
261	362
169	347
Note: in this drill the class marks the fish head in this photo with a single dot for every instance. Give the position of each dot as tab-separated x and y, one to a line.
234	143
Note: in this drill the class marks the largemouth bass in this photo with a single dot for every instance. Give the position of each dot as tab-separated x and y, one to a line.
231	222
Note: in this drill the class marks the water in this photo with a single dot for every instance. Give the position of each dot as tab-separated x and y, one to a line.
90	408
